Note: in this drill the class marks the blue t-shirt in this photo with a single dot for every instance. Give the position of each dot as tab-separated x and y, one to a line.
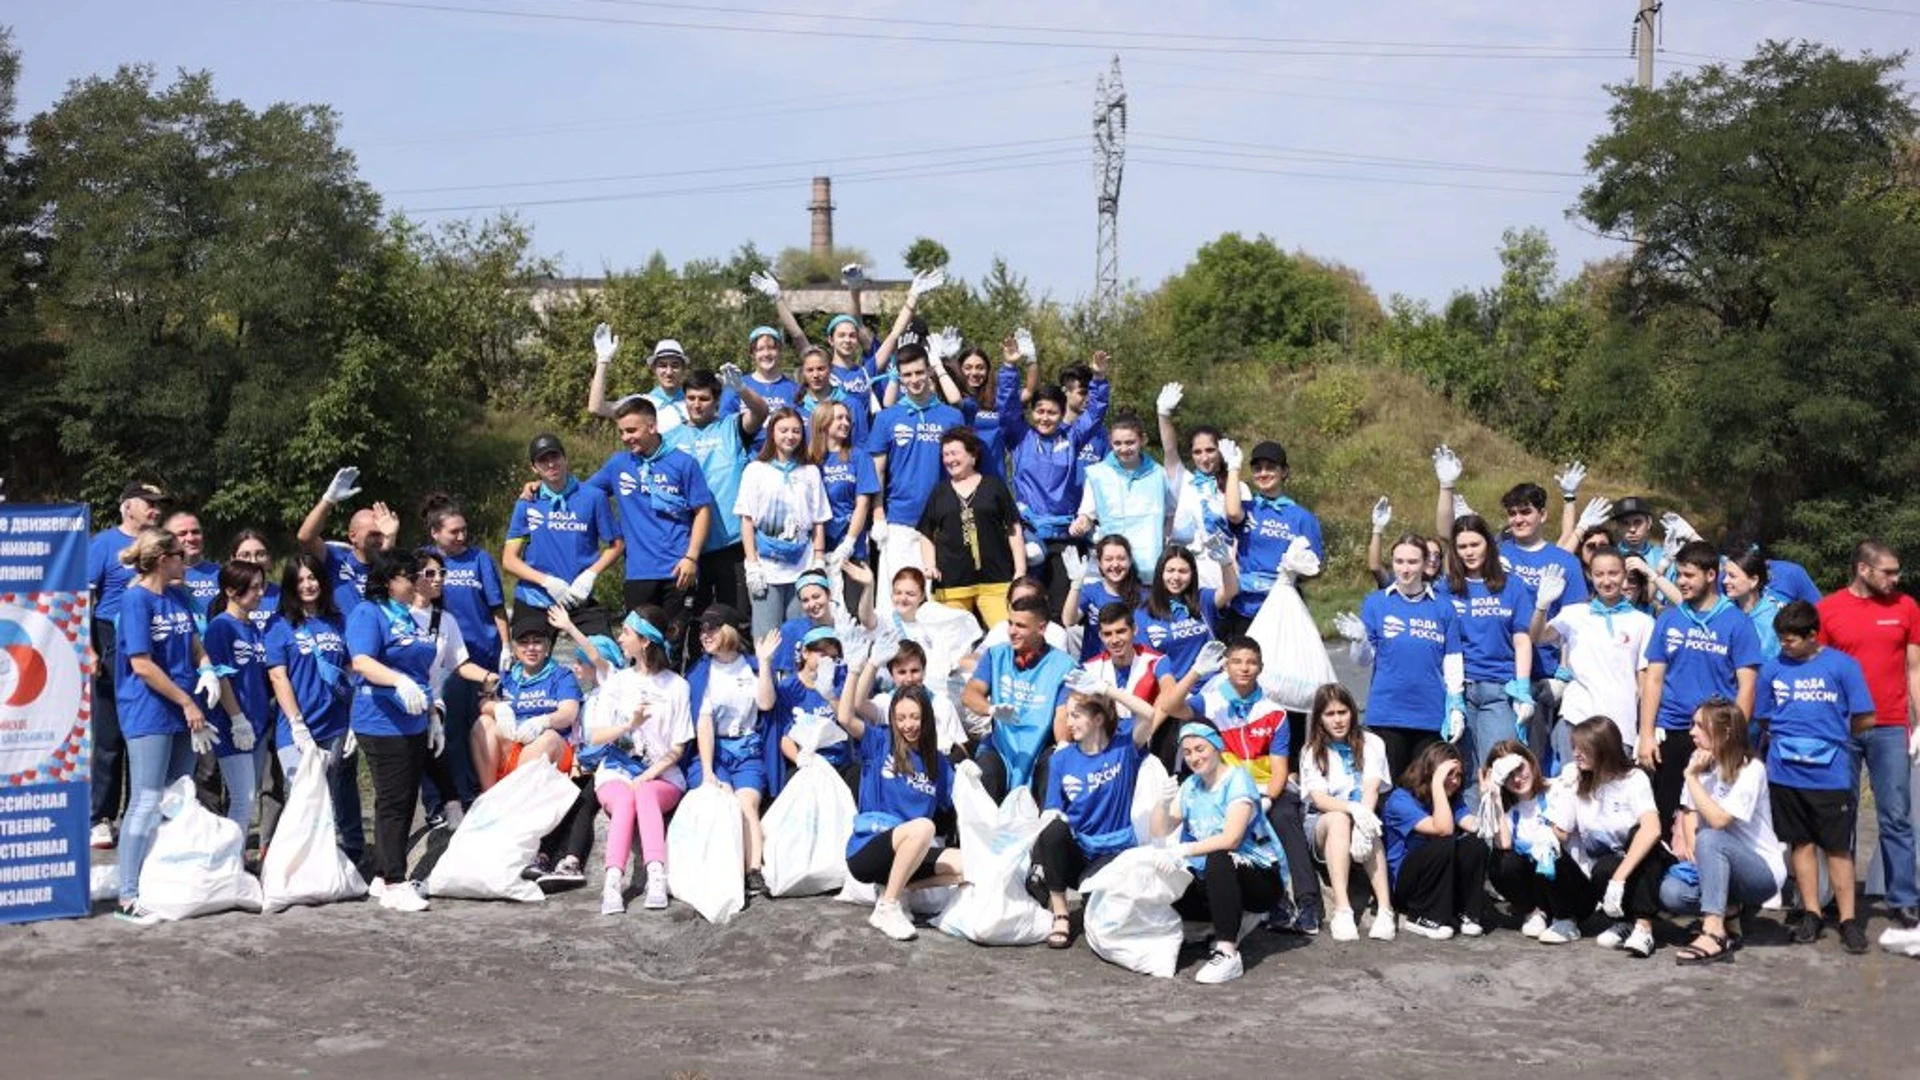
318	668
349	576
1034	692
1180	636
1095	792
862	416
268	612
1262	537
786	660
1487	625
396	640
541	693
203	585
1205	813
889	799
1095	595
781	393
909	435
1411	640
471	593
798	708
564	534
857	383
1809	706
984	419
1791	581
1402	812
1702	653
658	497
847	475
158	626
719	454
237	649
1527	566
105	574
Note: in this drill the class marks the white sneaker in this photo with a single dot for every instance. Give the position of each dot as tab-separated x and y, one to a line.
1614	935
1561	932
101	835
1900	940
656	887
1425	927
890	920
404	896
1469	928
1384	927
1639	943
1342	926
613	900
1535	925
1220	967
376	888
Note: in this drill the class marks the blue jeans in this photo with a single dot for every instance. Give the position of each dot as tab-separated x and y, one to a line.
1729	874
153	762
343	783
771	608
463	710
109	757
241	774
1883	751
1489	721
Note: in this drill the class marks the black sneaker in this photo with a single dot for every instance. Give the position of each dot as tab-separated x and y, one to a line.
1807	930
1037	886
540	867
566	874
1853	935
1907	917
757	884
437	819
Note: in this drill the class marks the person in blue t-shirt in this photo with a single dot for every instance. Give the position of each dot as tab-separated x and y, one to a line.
391	717
561	538
1525	553
370	531
202	580
472	595
1021	686
722	422
666	511
1411	636
1090	784
107	579
906	804
905	444
1494	609
1811	701
536	715
309	669
1046	470
250	545
1437	863
1106	576
819	389
802	708
1264	527
765	379
1178	616
965	378
164	686
1702	647
1747	581
852	483
237	649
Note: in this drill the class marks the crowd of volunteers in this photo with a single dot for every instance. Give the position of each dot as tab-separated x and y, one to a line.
911	557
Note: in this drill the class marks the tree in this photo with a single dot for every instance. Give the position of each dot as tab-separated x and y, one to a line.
924	254
29	372
1241	297
801	266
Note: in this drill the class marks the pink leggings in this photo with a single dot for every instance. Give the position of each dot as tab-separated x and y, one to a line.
647	803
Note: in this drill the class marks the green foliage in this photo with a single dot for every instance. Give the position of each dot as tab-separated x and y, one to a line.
1243	297
800	266
29	396
924	254
1331	404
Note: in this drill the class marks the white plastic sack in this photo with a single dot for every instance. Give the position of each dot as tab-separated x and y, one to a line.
501	834
947	635
196	865
1296	662
928	902
706	853
1148	785
807	829
996	846
1129	914
304	864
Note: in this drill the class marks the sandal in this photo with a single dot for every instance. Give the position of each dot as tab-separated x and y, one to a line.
1062	935
1691	954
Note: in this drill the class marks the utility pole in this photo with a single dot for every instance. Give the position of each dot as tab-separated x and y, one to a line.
1110	155
1643	25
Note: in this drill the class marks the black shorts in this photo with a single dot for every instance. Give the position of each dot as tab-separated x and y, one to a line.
873	863
1822	818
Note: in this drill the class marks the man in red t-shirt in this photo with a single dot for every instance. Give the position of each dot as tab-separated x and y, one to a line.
1872	621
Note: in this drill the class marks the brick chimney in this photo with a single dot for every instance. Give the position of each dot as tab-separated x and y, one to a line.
822	210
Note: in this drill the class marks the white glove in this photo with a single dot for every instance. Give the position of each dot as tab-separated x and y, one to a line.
824	670
1169	398
1553	584
1677	528
1382	515
242	732
1504	768
1446	466
765	284
1522	714
302	740
581	590
925	282
840	554
1218	547
1082	681
526	731
345	485
1300	561
504	721
1167	861
348	744
1169	791
1615	903
412	698
203	738
853	275
886	646
558	588
1211	656
1454	726
730	377
1571	479
1460	507
756	580
1003	713
1349	626
436	735
1364	820
1023	341
1598	512
208	687
1230	453
605	344
946	343
1074	563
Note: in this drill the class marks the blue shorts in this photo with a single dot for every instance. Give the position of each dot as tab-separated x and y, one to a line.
739	762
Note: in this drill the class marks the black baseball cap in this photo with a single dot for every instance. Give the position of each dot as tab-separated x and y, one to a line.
140	489
528	620
1269	451
1631	505
543	444
718	615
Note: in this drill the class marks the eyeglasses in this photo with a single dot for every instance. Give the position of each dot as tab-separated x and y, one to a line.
432	575
1597	545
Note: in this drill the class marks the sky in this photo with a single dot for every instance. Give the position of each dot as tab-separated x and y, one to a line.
1399	137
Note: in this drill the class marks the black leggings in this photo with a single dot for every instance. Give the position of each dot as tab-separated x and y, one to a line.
1059	857
574	835
1444	879
396	763
1514	877
1225	891
873	863
1670	776
993	771
1403	745
1289	822
1576	894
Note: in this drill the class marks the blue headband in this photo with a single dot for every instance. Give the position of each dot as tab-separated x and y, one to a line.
609	651
812	577
1192	730
755	334
838	319
645	629
817	634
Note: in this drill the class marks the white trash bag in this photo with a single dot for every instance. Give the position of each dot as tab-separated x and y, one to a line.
928	902
707	852
996	846
807	828
500	835
1296	659
1148	784
304	864
1129	916
197	864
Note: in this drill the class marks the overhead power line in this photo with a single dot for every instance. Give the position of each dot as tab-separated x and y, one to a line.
1195	144
1215	166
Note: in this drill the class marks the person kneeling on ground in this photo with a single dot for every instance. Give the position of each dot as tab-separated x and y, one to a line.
1438	865
906	787
1726	829
1609	822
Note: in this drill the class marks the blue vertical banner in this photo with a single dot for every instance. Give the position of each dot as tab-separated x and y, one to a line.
46	679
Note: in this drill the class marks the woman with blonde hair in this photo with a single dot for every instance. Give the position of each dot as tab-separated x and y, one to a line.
783	513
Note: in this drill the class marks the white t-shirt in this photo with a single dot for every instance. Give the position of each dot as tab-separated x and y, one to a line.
947	728
731	698
1603	824
1337	781
785	505
669	725
1606	666
1748	800
451	649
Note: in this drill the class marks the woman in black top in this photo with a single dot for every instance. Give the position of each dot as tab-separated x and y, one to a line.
970	541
